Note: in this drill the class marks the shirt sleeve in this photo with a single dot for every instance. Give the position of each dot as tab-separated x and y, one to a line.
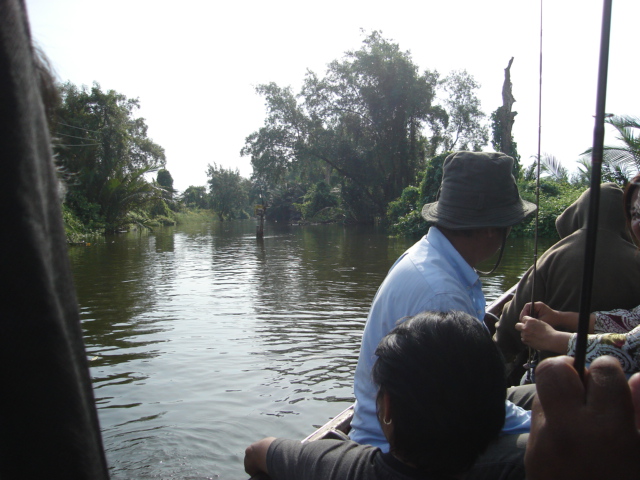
624	347
321	460
517	420
283	459
617	321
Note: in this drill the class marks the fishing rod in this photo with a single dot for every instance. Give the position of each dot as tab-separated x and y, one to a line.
533	354
594	200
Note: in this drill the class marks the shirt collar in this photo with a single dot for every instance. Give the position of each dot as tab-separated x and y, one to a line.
442	244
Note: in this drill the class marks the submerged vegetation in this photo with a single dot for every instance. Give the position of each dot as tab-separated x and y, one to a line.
365	143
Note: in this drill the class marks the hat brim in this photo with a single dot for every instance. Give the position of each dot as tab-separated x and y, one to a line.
457	219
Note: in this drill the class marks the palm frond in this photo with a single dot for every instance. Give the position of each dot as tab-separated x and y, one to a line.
624	158
550	165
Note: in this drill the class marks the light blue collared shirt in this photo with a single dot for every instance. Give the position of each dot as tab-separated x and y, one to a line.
431	275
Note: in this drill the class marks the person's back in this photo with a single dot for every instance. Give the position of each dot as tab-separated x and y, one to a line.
477	205
559	269
409	288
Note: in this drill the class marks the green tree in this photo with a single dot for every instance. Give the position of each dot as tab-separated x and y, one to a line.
227	191
432	178
127	193
318	199
555	198
497	141
282	200
165	180
404	215
465	129
195	197
104	154
363	120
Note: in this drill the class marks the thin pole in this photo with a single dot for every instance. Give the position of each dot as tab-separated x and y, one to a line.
532	360
596	173
535	243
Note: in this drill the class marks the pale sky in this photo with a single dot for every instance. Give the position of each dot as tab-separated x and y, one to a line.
194	64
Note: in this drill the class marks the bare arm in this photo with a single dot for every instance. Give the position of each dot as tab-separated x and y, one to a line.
565	320
542	336
255	457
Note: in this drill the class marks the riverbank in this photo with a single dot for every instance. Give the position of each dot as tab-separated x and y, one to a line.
78	233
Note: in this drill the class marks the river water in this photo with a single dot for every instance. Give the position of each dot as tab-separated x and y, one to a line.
202	339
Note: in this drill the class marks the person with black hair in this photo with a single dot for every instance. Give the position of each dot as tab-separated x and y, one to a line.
424	385
478	203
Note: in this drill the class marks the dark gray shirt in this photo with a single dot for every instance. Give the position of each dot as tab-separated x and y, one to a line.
335	459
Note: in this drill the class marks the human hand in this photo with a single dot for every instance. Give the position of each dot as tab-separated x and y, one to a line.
542	312
255	458
540	335
584	431
567	321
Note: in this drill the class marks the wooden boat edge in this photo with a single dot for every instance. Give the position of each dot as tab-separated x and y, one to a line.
337	427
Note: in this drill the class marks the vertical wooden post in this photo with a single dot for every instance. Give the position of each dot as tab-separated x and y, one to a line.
259	212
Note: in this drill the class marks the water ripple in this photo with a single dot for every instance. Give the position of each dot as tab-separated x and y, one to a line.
202	339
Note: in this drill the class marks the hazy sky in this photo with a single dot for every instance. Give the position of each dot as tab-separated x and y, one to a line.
194	64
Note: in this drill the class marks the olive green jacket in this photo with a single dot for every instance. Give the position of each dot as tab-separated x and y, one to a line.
616	281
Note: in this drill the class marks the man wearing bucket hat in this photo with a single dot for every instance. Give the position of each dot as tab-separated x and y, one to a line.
478	203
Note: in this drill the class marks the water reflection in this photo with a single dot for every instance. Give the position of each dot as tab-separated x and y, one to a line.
116	292
204	339
314	291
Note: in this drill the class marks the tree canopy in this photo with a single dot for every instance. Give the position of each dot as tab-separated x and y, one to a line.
367	126
104	152
227	191
362	120
465	129
195	197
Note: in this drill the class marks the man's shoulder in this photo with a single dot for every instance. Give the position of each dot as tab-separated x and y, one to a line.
432	252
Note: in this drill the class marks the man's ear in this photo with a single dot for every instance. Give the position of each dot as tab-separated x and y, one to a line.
386	413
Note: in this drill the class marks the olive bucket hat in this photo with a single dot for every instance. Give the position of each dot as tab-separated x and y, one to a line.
478	190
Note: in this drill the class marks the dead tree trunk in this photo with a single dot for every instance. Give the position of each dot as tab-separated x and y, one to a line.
505	116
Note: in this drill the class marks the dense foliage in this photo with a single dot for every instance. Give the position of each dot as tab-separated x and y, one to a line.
228	192
363	127
555	197
195	197
465	128
104	155
319	204
365	142
404	214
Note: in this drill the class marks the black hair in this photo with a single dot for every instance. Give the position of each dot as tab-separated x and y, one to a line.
447	387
